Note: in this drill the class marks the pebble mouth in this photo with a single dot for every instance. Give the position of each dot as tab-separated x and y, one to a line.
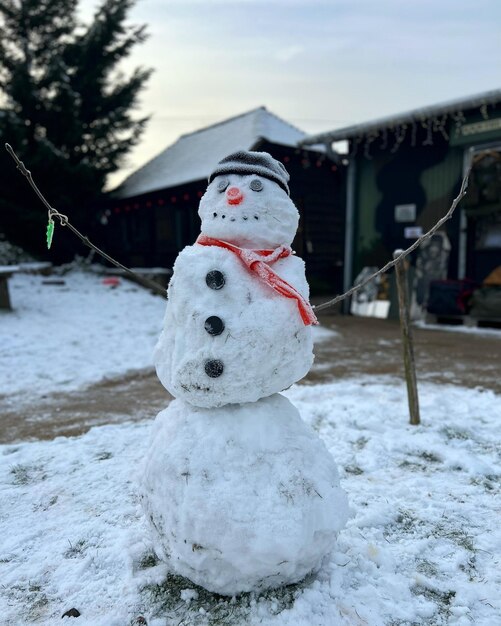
194	387
244	218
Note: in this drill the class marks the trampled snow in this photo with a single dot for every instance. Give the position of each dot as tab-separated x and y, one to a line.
422	545
60	337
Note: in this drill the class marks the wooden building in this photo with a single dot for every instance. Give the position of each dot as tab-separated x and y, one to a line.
403	174
154	211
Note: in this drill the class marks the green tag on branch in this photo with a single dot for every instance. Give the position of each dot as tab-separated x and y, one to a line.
50	233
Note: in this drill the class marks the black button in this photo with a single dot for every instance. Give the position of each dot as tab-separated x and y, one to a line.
215	279
214	325
214	368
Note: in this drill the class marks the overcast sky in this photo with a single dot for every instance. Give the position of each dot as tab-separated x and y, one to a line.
319	64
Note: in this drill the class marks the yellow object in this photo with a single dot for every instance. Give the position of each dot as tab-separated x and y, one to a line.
494	277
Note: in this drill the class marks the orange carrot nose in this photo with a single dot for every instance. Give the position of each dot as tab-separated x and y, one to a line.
234	195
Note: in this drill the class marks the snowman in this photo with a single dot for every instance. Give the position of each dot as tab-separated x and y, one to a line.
240	494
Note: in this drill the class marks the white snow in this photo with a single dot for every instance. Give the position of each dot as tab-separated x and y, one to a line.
243	497
262	219
8	269
264	347
468	330
422	546
62	337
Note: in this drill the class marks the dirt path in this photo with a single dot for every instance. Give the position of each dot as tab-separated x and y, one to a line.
361	347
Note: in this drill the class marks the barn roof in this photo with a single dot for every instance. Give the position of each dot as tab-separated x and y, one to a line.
193	156
416	115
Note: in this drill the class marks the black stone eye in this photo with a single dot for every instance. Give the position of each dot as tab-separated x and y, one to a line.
222	185
256	184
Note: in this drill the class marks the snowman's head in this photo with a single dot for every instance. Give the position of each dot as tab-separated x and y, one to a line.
247	202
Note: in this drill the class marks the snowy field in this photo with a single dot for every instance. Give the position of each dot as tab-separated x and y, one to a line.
62	337
422	545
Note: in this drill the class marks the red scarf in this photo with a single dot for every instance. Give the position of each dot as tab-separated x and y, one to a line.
258	261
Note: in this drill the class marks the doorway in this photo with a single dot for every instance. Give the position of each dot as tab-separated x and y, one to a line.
481	215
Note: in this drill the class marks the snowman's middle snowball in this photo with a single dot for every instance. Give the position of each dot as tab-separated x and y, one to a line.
263	347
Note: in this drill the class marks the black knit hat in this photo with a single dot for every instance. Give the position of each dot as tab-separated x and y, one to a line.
260	163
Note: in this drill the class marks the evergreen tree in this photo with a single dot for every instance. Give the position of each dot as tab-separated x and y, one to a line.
65	109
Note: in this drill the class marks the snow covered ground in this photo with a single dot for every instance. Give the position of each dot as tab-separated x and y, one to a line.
466	330
62	337
422	545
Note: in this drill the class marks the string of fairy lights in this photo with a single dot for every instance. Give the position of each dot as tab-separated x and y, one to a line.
164	199
420	131
303	158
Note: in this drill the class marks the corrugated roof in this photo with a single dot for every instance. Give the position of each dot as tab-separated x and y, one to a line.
193	156
416	115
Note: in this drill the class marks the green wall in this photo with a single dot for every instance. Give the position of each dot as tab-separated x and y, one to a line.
427	176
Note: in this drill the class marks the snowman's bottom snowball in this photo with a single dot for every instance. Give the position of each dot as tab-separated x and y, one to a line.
242	497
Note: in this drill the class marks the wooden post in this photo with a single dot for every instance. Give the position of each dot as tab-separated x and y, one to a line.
407	342
4	290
